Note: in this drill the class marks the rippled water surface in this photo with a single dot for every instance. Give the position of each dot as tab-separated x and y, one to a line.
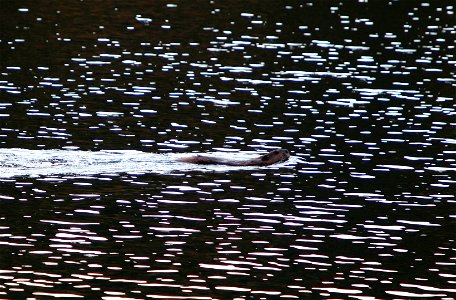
98	99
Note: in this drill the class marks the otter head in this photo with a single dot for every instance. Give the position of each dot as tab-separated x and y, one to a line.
277	155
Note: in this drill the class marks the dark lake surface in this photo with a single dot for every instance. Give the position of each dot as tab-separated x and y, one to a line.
99	98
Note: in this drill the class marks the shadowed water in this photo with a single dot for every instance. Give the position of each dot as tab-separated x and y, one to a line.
99	98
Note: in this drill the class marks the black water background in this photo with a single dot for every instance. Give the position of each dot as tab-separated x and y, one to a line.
363	93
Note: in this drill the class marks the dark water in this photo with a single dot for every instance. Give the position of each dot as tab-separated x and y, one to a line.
97	98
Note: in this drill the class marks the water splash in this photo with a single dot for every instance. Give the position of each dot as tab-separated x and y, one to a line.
23	162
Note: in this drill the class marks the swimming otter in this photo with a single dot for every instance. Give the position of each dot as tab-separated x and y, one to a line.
272	157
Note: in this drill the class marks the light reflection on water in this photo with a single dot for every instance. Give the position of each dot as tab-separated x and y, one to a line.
364	209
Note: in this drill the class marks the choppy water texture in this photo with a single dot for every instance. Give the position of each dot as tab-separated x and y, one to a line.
97	97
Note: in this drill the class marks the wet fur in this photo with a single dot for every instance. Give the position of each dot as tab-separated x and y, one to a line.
272	157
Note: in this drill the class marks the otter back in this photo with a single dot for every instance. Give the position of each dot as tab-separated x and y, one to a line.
272	157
